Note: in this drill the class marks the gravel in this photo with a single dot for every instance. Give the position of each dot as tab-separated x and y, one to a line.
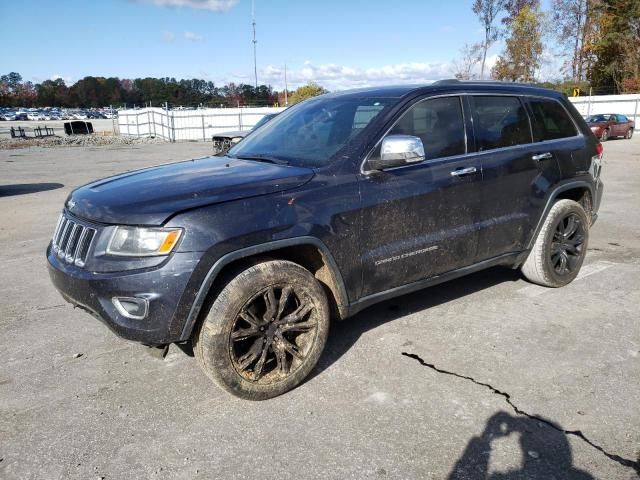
74	140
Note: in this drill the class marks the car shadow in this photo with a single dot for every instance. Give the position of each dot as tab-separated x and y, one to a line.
344	334
545	451
26	188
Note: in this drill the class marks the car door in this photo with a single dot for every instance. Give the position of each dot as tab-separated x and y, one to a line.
418	219
516	173
615	127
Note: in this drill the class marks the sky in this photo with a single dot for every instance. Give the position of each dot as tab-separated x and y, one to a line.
337	43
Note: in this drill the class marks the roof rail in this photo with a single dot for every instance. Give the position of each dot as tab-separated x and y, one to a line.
455	81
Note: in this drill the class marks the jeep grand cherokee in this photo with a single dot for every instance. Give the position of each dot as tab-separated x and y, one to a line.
339	202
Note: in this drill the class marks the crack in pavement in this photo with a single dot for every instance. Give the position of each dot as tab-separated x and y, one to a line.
625	462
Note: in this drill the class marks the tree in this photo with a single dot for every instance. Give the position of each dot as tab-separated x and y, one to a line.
487	12
615	47
573	23
514	7
306	91
521	58
470	56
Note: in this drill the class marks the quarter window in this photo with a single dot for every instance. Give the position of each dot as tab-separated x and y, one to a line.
550	121
438	123
499	121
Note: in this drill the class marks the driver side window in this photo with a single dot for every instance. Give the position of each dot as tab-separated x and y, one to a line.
438	123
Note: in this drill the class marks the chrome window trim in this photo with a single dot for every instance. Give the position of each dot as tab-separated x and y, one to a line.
468	154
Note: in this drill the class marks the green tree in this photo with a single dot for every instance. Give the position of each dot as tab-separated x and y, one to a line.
521	57
306	91
616	47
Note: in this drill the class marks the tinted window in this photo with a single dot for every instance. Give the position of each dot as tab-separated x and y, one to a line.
499	122
438	123
622	118
550	120
312	132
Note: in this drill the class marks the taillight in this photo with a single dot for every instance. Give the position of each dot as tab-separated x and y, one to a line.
599	149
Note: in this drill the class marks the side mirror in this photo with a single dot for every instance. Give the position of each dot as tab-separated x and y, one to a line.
396	151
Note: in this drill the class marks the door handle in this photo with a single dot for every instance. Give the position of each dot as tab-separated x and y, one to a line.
463	171
541	156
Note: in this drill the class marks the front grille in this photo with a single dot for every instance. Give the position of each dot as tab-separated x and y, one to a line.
72	240
221	145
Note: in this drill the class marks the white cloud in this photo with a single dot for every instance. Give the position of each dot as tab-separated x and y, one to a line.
192	37
340	77
213	5
56	76
168	37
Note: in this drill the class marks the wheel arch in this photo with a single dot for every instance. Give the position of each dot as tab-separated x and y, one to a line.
580	191
308	252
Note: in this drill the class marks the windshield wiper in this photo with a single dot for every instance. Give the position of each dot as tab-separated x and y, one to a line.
260	158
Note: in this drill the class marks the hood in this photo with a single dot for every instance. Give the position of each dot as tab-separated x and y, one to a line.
152	195
234	134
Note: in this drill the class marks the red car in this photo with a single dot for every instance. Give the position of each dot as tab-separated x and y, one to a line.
607	125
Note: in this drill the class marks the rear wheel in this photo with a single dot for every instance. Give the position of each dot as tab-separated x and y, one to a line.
605	135
265	331
561	246
629	134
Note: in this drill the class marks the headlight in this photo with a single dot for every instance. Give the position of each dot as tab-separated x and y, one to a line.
143	242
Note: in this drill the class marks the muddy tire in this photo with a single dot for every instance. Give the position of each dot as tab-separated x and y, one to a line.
265	331
559	250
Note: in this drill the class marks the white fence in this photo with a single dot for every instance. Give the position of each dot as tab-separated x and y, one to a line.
199	124
202	124
627	105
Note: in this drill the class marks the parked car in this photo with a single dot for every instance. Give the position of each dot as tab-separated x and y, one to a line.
606	126
224	141
341	201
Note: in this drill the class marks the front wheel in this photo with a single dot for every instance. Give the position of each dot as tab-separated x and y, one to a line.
560	248
265	331
629	134
605	135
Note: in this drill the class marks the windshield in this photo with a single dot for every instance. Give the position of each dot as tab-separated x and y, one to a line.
312	132
263	120
597	118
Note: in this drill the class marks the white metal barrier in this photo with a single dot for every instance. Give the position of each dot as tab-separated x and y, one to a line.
627	105
200	124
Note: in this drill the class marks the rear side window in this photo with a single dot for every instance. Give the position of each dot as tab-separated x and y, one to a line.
439	124
622	118
499	121
550	120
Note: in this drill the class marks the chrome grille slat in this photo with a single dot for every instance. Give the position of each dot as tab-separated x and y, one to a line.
56	239
71	243
72	240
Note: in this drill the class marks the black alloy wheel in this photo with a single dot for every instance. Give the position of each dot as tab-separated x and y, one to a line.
272	334
567	247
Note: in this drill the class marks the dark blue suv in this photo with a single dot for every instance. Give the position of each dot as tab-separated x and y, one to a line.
339	202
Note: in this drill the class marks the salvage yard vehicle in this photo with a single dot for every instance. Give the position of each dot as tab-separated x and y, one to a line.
225	140
610	125
338	203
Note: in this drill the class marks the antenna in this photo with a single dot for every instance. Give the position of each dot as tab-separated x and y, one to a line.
253	23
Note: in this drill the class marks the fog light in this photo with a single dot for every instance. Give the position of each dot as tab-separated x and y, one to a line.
131	307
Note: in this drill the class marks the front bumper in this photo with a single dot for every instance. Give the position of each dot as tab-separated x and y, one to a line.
163	287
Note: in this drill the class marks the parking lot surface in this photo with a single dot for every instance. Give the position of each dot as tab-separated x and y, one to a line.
487	376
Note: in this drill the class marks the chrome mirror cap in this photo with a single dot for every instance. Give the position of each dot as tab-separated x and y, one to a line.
398	150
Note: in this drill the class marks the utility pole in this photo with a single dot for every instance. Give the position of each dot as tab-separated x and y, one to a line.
286	98
253	23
